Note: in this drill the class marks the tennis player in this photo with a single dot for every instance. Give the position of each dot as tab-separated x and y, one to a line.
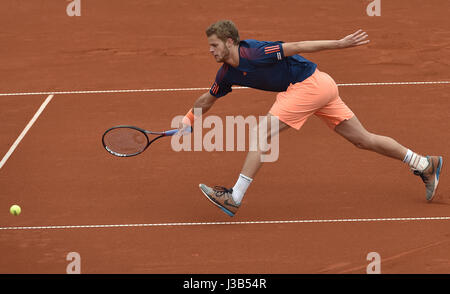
303	90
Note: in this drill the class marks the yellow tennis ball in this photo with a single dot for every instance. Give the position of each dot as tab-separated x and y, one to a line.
15	209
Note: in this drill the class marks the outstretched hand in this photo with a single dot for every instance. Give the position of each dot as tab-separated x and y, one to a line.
356	39
183	129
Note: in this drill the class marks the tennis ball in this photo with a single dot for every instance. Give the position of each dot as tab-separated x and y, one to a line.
15	209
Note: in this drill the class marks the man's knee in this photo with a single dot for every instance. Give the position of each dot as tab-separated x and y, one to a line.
364	141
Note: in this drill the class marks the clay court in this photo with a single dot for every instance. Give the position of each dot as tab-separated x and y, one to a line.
321	208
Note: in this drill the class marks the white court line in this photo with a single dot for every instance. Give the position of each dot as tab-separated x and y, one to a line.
204	89
398	219
24	132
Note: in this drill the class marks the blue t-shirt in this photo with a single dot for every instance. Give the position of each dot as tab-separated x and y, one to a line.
262	65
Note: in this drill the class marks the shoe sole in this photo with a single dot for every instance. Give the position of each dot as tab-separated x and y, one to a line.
436	177
215	203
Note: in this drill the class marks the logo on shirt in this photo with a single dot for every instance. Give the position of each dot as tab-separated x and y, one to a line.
215	88
272	49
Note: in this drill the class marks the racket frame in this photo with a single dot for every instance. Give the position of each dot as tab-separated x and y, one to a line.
145	132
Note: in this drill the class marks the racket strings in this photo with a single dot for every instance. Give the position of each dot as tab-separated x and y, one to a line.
126	141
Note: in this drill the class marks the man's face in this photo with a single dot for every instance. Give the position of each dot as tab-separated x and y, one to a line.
219	49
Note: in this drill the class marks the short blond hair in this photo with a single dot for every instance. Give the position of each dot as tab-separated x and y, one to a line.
224	29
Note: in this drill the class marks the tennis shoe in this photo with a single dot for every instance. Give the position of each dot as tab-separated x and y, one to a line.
221	197
430	175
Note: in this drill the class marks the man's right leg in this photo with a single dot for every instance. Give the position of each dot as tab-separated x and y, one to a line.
229	200
253	162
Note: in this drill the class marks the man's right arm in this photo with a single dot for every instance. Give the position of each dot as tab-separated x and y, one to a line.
201	105
205	102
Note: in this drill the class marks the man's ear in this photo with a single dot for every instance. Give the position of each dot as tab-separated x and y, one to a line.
230	42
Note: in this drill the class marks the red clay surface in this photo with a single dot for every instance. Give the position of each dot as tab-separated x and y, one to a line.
60	174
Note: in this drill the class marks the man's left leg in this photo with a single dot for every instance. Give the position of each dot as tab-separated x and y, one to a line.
427	167
353	131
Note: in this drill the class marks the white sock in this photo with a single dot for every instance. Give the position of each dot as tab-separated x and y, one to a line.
240	188
415	161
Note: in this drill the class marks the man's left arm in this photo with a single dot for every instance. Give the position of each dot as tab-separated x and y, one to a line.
356	39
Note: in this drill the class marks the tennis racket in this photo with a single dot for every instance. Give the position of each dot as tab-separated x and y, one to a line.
127	141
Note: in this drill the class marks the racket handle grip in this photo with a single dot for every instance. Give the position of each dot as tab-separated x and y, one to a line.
173	132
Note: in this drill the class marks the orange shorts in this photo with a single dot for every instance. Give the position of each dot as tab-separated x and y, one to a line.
317	95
